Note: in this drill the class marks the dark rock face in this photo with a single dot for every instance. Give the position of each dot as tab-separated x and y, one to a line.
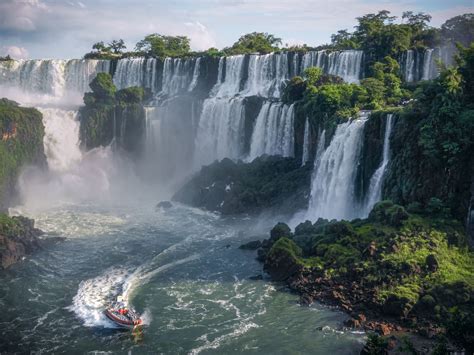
18	237
277	183
371	154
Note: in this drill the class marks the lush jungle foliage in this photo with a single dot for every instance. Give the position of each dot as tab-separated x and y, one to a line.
379	35
111	115
413	266
21	143
433	145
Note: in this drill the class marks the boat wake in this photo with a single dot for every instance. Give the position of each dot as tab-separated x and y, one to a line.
95	294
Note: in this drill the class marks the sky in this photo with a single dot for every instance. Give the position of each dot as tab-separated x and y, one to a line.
68	28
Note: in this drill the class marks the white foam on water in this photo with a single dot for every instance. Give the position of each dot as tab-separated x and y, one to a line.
94	295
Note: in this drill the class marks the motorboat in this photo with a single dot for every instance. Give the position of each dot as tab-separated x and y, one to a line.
122	315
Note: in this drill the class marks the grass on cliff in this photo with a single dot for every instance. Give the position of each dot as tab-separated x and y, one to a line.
407	259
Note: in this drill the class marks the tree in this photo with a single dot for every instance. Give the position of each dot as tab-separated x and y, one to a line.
312	75
418	21
343	40
100	47
157	45
103	87
459	29
255	42
117	46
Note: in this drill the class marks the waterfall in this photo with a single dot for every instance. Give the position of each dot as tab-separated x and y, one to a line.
196	72
266	74
229	76
306	139
408	66
61	138
375	188
221	131
49	81
332	187
136	72
428	64
346	64
320	149
178	74
273	133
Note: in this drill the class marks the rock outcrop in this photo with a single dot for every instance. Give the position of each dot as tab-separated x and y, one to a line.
18	237
269	182
21	144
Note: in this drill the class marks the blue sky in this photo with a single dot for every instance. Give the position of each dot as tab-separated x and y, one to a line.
68	28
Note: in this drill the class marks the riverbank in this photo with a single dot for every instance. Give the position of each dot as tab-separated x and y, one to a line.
395	272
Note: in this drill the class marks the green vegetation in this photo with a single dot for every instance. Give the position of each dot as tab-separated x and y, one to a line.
414	265
377	34
21	143
232	188
109	114
113	50
255	42
156	45
433	144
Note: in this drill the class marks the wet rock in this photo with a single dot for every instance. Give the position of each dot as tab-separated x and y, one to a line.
352	323
256	277
306	299
253	245
17	242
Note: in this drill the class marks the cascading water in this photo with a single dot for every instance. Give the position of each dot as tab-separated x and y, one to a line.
333	182
429	66
221	130
266	74
61	138
409	66
49	81
178	74
136	72
306	139
196	72
229	75
375	188
273	133
346	64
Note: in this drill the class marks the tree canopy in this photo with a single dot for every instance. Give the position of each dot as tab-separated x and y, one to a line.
157	45
255	42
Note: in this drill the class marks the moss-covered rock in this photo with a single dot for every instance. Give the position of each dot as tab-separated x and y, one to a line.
112	116
237	187
393	264
21	144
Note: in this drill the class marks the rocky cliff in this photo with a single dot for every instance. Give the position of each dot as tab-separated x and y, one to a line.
21	144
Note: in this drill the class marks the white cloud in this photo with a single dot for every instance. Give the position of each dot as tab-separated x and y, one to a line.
14	52
200	36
